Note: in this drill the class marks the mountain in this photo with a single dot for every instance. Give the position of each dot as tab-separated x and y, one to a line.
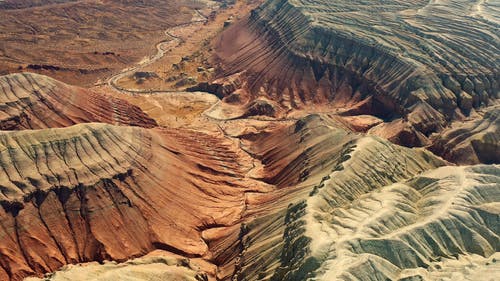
325	140
32	101
95	192
417	65
472	142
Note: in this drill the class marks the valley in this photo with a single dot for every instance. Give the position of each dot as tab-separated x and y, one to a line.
279	140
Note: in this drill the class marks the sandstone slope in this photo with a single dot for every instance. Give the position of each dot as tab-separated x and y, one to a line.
255	187
265	200
472	142
95	192
421	63
360	208
32	101
148	268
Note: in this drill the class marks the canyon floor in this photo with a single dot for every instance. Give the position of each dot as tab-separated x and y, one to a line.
249	140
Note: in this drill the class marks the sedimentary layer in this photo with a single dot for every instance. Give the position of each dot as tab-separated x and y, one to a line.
260	200
95	192
360	208
472	142
147	268
32	101
434	60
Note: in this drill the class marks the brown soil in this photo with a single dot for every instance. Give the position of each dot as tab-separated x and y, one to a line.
80	41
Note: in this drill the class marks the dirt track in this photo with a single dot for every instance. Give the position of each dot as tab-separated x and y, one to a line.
162	47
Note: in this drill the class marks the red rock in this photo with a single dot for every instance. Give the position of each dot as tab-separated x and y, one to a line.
32	101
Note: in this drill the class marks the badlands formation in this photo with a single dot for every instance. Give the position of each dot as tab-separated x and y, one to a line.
417	65
336	140
32	101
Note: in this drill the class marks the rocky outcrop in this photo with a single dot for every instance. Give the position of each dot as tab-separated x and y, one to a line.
421	61
409	225
255	196
261	200
95	192
349	207
299	159
471	142
147	268
400	132
32	101
222	87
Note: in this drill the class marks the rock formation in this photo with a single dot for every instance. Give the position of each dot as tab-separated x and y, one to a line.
257	200
92	192
472	142
148	268
360	208
32	101
329	149
422	63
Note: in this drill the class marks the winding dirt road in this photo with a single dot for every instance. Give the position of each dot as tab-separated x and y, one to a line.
162	47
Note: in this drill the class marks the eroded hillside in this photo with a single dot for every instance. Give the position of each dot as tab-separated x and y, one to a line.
416	65
335	140
244	199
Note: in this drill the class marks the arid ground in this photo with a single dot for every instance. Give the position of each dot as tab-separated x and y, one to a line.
281	140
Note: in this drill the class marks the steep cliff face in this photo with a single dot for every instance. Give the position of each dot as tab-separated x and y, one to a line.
97	192
283	197
472	142
391	59
253	199
350	207
32	101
